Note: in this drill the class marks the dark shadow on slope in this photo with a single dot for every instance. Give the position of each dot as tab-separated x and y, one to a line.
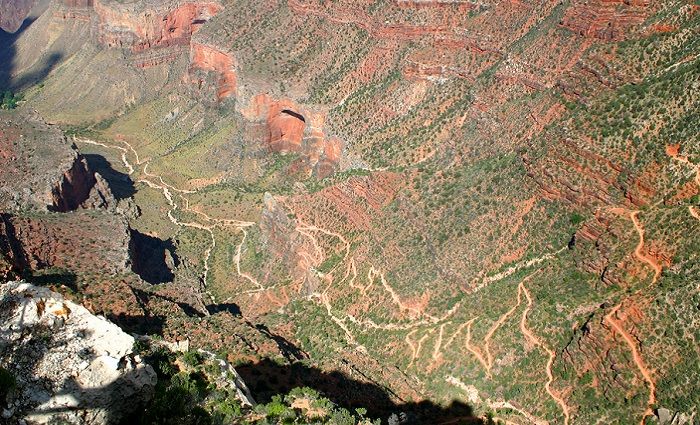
139	324
143	299
37	75
153	259
290	351
8	53
57	278
10	245
267	378
296	115
120	184
230	308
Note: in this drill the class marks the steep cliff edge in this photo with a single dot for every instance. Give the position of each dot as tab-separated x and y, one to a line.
67	364
43	170
161	24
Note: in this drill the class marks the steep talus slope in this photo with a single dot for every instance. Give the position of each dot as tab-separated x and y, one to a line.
487	202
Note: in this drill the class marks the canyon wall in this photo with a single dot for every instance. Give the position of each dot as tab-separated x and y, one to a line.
212	60
156	25
293	128
13	12
605	19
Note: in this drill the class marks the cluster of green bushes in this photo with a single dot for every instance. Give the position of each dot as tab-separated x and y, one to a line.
10	100
188	393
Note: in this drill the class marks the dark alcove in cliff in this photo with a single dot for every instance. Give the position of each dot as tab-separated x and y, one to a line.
153	259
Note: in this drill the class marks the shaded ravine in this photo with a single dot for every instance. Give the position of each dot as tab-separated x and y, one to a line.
166	190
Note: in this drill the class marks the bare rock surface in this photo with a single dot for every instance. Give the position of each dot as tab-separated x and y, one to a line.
68	363
43	170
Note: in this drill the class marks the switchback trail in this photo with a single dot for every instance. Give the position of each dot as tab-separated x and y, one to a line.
168	190
639	250
512	269
473	350
487	361
538	342
637	360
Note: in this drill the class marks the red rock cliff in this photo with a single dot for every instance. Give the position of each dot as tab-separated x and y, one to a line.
290	127
152	25
605	19
210	59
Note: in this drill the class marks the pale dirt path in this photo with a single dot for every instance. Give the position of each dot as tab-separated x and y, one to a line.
473	397
167	194
437	353
637	360
488	360
237	260
353	269
694	212
494	327
506	405
538	342
509	271
411	346
454	335
639	250
125	161
396	298
419	347
473	350
340	322
687	162
373	274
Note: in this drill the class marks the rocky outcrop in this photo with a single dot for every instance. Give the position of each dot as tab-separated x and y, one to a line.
279	237
418	4
208	60
43	171
605	19
69	365
10	264
291	128
78	3
71	243
13	12
139	26
73	188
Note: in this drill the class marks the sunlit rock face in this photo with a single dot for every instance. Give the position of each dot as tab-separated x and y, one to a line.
68	364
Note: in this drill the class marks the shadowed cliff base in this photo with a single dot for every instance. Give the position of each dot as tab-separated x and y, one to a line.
120	184
267	379
154	259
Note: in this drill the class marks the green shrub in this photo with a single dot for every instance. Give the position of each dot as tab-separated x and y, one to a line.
192	358
7	382
9	100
